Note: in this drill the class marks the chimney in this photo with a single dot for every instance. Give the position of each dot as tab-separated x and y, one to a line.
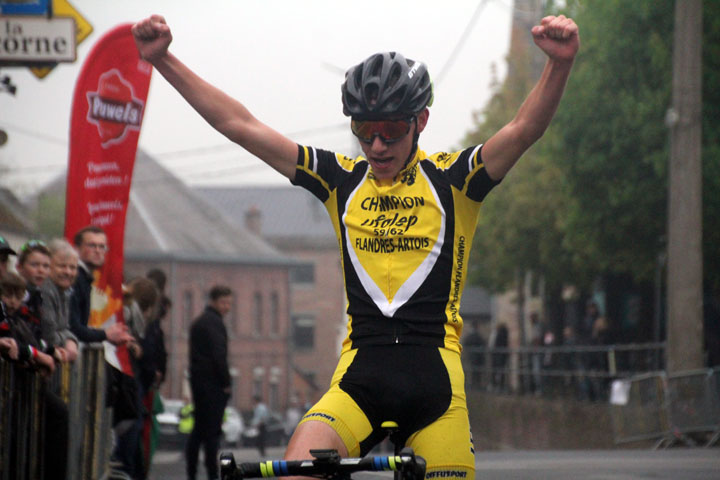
253	219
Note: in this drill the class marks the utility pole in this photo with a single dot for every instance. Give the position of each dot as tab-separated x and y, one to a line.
684	268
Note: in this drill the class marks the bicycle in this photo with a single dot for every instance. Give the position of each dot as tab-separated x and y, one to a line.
327	464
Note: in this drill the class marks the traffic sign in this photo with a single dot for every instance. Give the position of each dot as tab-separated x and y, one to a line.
39	37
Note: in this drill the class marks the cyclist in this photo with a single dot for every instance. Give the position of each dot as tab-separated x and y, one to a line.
405	222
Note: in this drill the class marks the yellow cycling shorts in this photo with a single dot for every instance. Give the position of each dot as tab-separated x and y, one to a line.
421	388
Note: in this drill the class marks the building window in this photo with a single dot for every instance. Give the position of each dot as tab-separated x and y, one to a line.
274	313
257	383
257	313
303	332
302	274
257	388
187	312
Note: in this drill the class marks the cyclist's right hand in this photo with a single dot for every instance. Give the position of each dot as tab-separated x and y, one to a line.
152	37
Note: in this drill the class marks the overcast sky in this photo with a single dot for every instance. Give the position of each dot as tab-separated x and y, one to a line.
284	59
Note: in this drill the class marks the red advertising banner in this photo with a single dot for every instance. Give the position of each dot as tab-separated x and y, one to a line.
107	112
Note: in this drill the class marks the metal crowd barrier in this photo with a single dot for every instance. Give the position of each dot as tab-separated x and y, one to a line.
683	407
637	408
693	406
82	387
22	416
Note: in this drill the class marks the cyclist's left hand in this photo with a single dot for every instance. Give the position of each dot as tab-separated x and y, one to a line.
558	37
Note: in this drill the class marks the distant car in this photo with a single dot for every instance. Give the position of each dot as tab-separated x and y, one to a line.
168	421
171	437
274	436
232	427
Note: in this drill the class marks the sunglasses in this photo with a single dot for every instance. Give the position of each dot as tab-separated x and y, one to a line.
389	131
30	244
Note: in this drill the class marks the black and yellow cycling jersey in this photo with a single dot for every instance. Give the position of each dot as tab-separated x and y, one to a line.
404	243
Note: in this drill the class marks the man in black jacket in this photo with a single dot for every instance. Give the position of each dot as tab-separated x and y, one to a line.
91	244
209	381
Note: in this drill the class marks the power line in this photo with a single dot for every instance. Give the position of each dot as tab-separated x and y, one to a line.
206	150
237	170
227	146
461	41
35	134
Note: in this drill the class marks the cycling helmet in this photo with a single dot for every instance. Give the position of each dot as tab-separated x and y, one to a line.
386	84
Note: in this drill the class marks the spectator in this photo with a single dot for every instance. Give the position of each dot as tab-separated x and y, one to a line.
16	345
537	334
711	325
139	307
583	332
259	421
598	362
154	365
209	381
500	357
55	292
187	418
293	414
91	244
12	292
474	343
575	364
5	252
155	358
34	266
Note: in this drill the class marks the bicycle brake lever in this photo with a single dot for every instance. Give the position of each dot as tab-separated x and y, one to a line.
228	467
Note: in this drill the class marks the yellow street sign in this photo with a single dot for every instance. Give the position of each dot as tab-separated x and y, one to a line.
62	8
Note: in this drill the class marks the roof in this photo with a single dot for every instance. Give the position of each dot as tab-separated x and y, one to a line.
286	212
166	217
13	214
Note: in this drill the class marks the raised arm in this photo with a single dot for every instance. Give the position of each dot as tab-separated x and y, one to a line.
222	112
558	37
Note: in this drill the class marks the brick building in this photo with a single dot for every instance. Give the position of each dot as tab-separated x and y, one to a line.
170	227
296	223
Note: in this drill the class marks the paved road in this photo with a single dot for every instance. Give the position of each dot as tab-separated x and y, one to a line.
671	464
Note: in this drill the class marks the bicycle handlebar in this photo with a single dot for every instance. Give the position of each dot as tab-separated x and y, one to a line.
326	464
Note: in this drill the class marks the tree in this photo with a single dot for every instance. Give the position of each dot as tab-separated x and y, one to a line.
590	200
613	140
519	226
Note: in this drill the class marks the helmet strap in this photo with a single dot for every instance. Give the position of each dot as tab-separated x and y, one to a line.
413	149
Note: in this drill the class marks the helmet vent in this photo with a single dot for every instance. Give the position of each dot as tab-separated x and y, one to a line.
376	66
371	93
396	99
394	76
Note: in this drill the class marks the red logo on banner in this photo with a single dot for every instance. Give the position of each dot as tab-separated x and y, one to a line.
113	108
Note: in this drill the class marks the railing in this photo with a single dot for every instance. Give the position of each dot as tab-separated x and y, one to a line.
583	372
22	418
